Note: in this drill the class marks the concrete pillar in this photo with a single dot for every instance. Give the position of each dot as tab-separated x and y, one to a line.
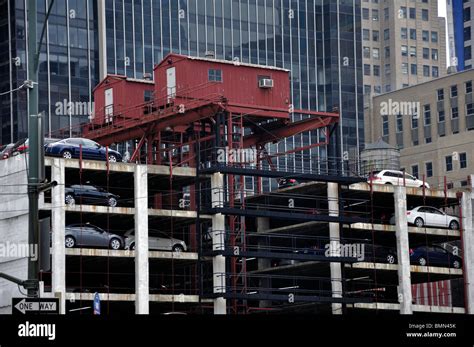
263	224
218	243
58	224
403	256
142	287
335	239
468	250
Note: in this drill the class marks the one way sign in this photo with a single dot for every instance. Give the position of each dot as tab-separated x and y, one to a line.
35	306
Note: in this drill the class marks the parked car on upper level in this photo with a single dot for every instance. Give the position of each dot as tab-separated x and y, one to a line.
396	178
88	194
71	148
91	236
157	241
434	255
6	151
432	217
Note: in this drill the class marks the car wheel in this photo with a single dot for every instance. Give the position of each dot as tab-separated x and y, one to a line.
178	248
454	225
422	261
70	200
70	242
67	154
112	202
132	247
456	264
419	222
112	158
390	259
388	184
115	244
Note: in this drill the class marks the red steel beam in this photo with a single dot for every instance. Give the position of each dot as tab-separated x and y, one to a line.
289	129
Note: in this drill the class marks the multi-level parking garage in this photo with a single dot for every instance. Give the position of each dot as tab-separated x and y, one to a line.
256	253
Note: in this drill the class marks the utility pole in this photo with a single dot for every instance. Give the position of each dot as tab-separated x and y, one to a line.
36	175
34	122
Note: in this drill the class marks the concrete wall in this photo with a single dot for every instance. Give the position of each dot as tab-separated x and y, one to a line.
13	225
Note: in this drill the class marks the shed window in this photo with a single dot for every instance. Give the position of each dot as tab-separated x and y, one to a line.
215	75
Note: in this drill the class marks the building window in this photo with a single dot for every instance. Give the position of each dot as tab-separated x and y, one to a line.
414	122
376	70
454	91
215	75
414	69
469	87
425	15
427	114
434	54
367	69
441	116
469	110
148	95
415	171
405	68
463	160
429	169
412	51
467	53
387	52
366	35
426	71
385	126
375	35
365	13
403	12
375	15
376	53
386	34
434	36
454	113
403	33
366	52
449	163
404	51
413	34
440	94
412	13
425	34
428	140
399	123
467	34
435	71
426	53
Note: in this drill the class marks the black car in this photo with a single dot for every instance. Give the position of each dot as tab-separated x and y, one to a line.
88	194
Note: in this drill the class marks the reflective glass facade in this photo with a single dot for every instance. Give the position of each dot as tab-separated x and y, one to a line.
68	67
318	40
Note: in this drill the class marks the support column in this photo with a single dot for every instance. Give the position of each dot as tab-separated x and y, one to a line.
403	257
218	244
263	224
142	287
335	239
58	224
468	250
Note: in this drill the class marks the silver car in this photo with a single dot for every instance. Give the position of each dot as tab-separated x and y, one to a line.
157	241
88	235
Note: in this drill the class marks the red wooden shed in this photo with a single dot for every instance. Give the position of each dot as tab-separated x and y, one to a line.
248	89
120	96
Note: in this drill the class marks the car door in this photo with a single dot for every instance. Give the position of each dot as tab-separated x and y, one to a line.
98	237
88	150
441	256
80	194
430	217
92	194
85	235
163	242
421	213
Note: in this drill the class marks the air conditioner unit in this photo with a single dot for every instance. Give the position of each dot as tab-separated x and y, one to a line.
265	83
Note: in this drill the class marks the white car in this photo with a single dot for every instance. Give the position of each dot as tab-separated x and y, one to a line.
395	178
432	217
